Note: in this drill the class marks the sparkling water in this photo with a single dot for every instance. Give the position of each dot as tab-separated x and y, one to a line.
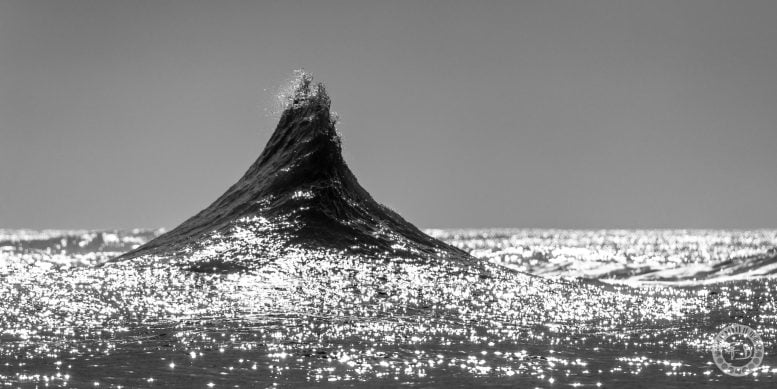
545	308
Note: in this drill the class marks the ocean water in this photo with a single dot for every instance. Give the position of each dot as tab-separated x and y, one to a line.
539	308
297	277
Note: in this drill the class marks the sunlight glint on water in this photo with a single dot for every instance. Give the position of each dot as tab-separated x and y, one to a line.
325	318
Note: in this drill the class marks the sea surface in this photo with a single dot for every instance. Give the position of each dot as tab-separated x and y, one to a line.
547	308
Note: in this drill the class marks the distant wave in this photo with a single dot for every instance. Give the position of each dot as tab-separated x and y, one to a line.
667	256
759	265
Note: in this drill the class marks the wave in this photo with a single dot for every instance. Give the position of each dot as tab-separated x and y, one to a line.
732	269
642	256
299	194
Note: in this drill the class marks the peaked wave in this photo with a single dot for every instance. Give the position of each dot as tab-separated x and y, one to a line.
299	194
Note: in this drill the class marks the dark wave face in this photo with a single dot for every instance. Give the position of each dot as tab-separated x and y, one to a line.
299	194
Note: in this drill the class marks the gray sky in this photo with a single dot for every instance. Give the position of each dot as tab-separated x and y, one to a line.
572	114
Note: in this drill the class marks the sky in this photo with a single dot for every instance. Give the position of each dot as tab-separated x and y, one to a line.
535	114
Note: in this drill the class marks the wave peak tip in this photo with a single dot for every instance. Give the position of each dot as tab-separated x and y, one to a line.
301	91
